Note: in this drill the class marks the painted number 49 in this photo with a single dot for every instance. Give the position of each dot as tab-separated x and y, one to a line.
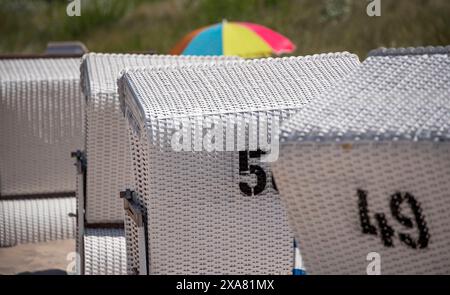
381	225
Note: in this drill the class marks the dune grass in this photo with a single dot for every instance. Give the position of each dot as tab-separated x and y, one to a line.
138	25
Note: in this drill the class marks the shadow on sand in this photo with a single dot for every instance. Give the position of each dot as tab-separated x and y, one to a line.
52	272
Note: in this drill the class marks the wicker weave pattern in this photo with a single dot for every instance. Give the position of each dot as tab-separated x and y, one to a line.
37	220
384	130
131	240
416	87
105	251
109	162
286	85
198	219
41	112
44	69
139	153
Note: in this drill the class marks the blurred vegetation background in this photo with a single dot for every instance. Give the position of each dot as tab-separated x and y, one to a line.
141	25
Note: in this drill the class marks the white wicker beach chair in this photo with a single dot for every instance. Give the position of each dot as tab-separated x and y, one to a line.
41	114
200	210
109	163
365	170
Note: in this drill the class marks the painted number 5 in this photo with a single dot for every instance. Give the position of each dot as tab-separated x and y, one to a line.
246	169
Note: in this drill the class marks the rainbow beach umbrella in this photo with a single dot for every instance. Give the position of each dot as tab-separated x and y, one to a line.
234	38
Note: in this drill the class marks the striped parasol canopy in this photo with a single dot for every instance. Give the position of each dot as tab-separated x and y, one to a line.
243	39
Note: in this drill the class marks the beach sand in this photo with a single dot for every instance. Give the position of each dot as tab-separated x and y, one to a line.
40	258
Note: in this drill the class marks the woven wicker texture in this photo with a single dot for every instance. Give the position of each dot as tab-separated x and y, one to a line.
366	167
41	114
40	69
109	162
132	246
37	220
198	219
105	251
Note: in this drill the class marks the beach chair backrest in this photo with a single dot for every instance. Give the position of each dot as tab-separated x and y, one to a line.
109	169
365	170
41	115
204	201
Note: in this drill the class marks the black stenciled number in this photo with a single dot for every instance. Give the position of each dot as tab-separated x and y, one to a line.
397	200
246	169
367	227
386	231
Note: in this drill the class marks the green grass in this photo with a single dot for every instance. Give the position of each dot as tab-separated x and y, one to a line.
137	25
